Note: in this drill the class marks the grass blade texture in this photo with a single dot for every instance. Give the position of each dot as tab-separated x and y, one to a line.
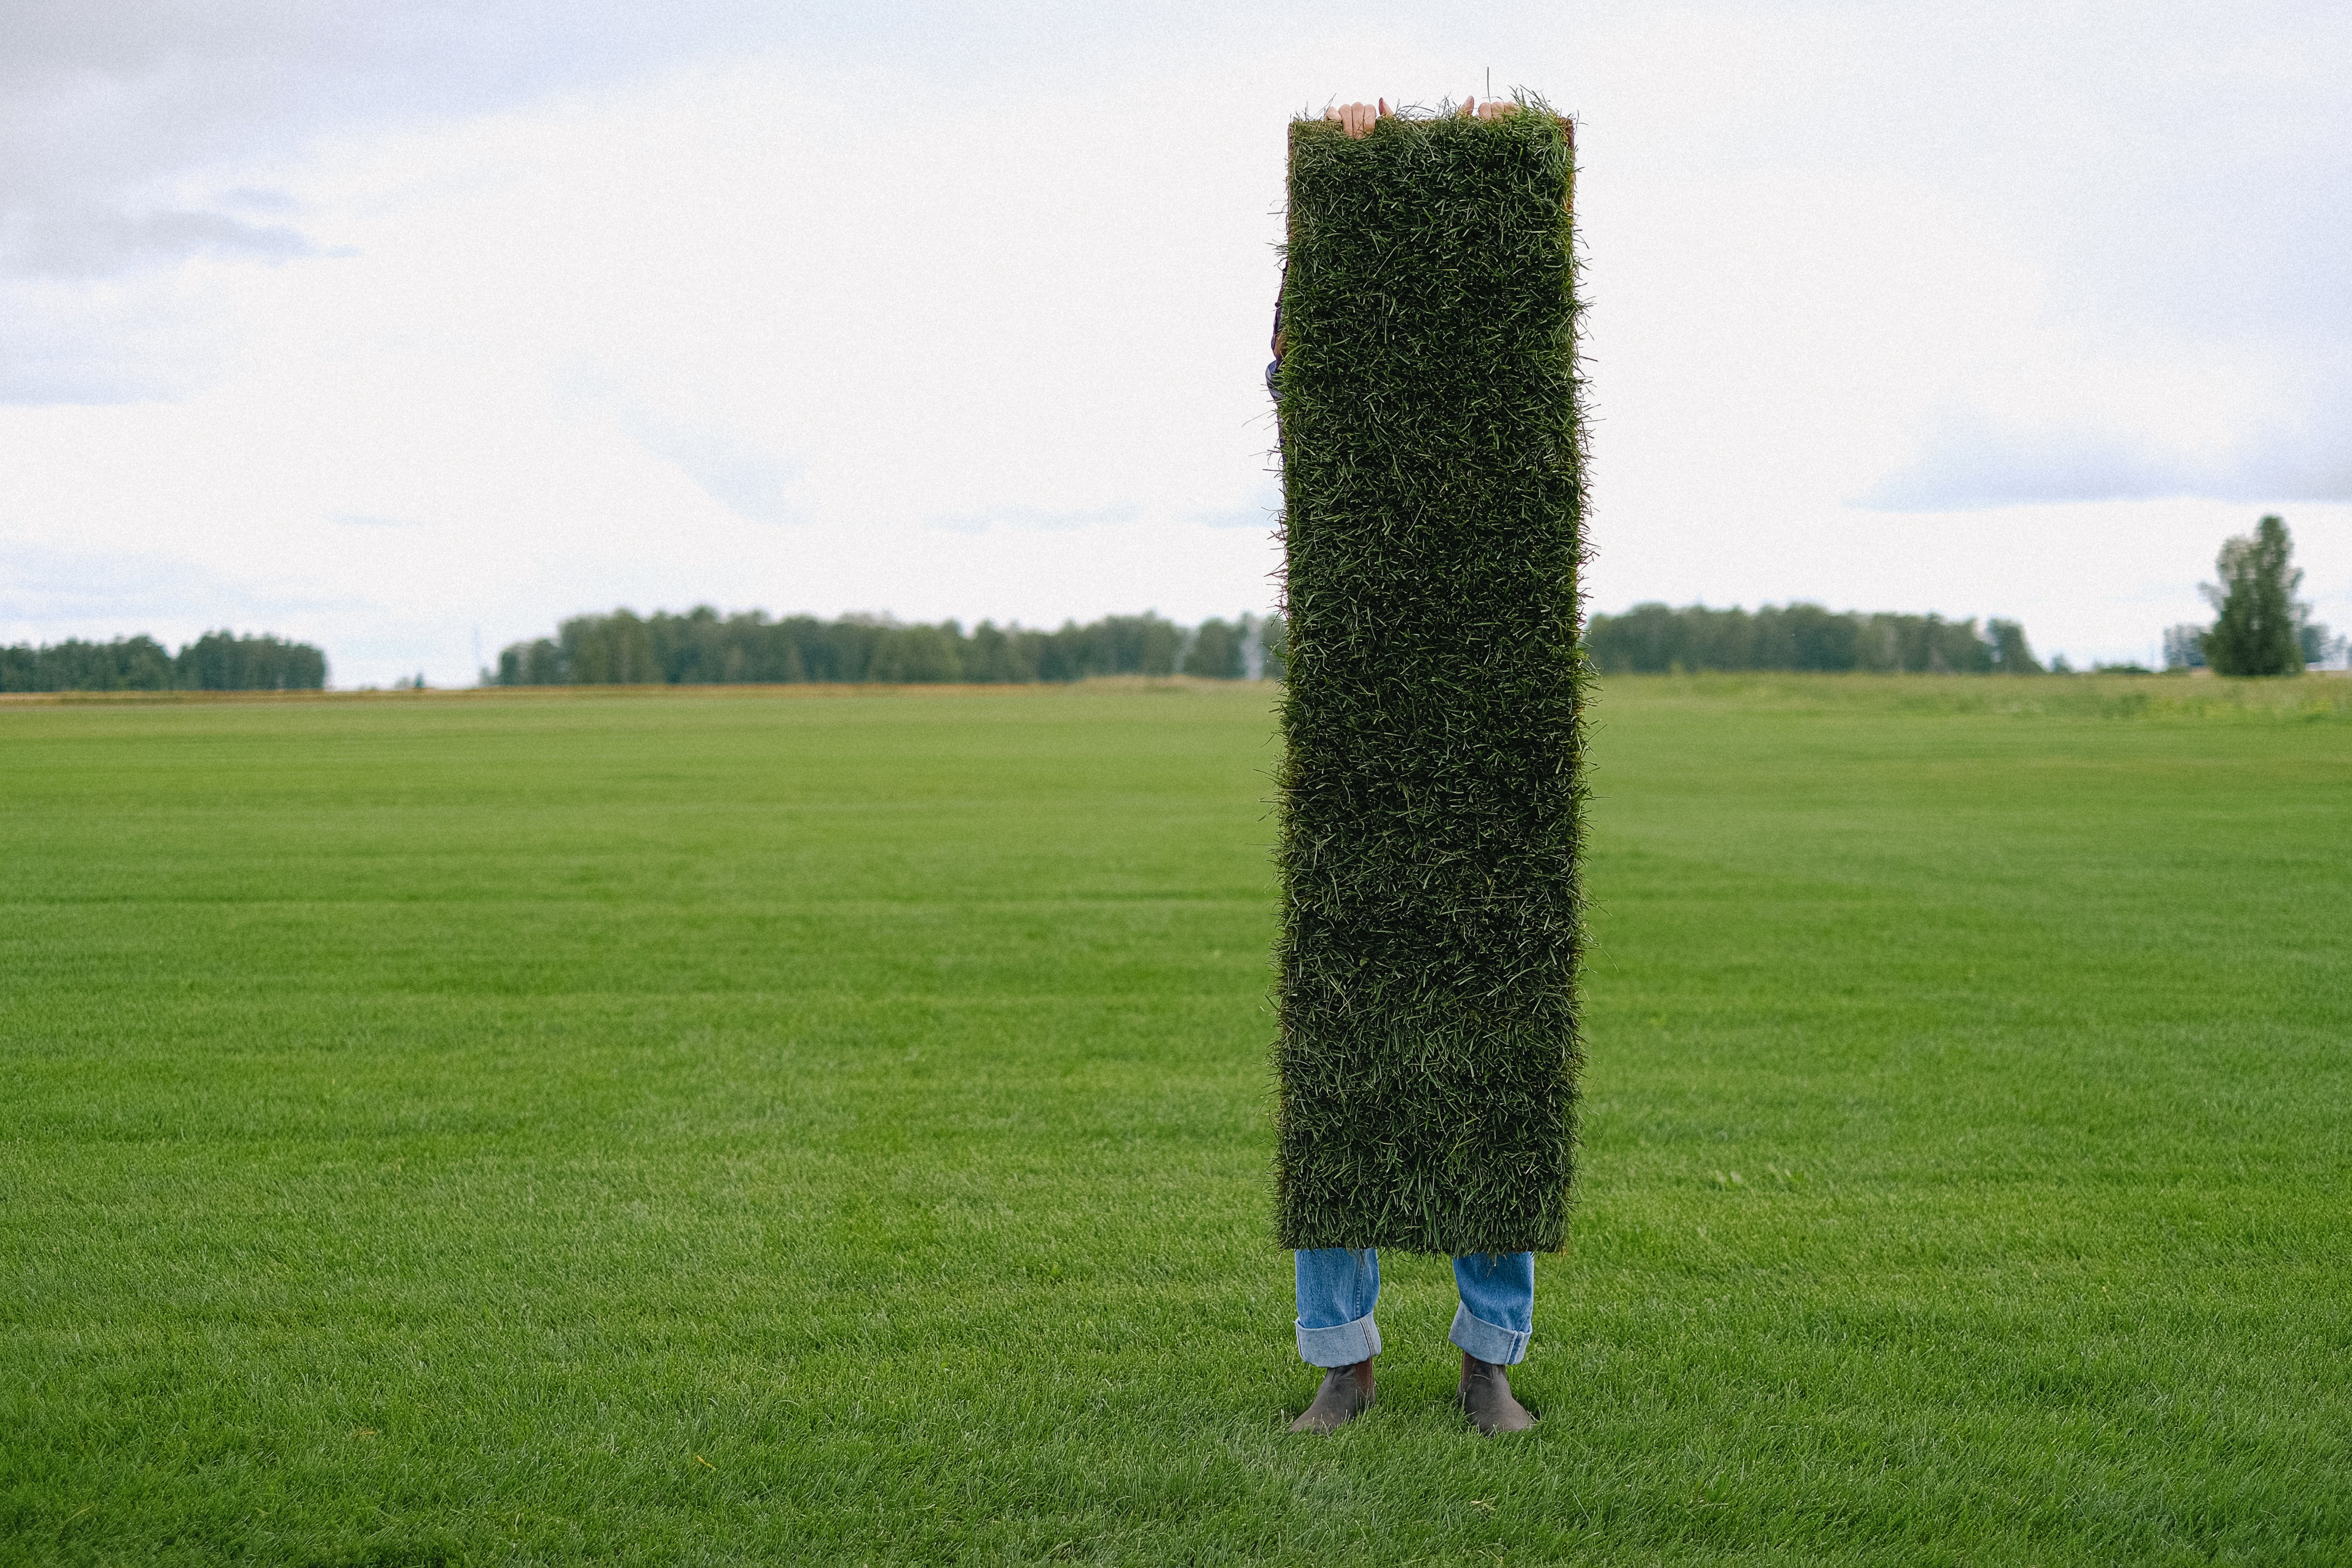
1433	475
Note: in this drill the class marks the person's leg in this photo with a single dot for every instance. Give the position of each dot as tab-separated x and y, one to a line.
1492	1326
1337	1290
1498	1315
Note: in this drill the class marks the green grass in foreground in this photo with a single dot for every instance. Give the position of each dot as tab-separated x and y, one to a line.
676	1129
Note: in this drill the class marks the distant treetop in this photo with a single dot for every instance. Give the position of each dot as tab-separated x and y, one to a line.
2259	629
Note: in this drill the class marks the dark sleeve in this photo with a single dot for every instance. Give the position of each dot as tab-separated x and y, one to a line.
1273	386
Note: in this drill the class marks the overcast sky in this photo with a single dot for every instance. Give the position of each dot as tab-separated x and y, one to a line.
392	327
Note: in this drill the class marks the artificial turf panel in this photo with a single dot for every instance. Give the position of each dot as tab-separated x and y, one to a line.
671	1129
1432	485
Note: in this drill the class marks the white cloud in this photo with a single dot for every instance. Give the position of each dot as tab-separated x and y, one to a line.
100	243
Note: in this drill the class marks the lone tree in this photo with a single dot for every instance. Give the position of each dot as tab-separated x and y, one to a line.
2259	630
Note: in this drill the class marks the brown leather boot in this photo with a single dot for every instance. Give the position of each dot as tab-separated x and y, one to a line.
1346	1394
1485	1394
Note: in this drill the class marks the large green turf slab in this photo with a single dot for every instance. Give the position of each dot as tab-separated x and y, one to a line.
680	1129
1432	785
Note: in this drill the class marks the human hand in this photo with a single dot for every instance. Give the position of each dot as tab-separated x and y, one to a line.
1357	119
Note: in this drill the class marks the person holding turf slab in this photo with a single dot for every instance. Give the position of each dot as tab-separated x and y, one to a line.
1432	790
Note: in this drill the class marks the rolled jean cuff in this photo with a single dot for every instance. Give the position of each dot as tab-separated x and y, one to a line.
1342	1346
1477	1337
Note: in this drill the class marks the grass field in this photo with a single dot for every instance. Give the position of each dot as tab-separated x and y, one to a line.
719	1128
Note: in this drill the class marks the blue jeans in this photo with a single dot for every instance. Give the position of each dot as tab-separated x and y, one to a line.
1337	1290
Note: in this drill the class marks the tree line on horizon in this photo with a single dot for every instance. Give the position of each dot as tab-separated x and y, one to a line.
1655	638
2260	629
216	661
702	646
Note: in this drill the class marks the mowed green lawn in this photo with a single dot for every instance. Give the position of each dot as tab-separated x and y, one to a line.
690	1127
